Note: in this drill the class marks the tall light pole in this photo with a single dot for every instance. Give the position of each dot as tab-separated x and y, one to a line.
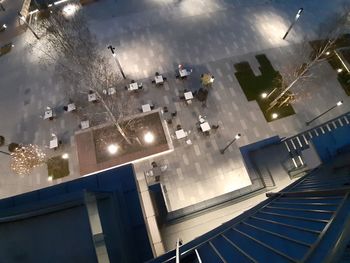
238	135
295	20
25	22
339	103
1	6
116	59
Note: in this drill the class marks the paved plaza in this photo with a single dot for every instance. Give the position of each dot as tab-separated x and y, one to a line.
208	36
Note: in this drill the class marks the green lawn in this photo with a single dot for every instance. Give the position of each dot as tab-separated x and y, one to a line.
253	86
333	60
57	167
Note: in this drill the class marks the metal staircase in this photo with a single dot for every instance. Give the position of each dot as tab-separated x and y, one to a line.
305	222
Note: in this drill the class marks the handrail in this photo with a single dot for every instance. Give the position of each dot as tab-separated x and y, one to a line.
274	196
318	126
341	243
243	216
308	254
338	191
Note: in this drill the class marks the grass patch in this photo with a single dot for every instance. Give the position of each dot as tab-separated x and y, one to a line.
344	80
5	49
57	167
334	61
253	86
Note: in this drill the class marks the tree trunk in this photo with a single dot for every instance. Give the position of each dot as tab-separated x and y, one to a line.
115	122
302	73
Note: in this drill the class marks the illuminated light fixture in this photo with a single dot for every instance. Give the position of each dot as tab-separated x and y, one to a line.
339	103
237	136
274	115
149	137
299	13
264	95
59	2
50	178
69	10
339	70
327	53
33	12
65	156
112	148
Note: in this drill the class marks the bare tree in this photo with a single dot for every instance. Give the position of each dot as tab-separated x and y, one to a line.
68	44
329	34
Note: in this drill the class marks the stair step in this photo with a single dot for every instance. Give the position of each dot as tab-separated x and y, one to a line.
228	250
207	252
279	243
286	230
260	252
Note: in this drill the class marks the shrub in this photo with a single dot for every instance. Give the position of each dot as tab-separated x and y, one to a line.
13	146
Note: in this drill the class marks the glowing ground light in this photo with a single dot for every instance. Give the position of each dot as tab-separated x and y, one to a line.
149	137
69	9
274	115
327	53
112	148
65	156
339	103
264	95
339	70
50	178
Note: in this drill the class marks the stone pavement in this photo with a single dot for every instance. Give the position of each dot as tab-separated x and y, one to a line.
161	35
157	38
10	18
271	158
198	172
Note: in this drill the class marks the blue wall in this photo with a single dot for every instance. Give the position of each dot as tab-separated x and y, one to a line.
329	144
120	212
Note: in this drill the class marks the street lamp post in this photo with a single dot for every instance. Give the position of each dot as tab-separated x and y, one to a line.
1	5
238	135
295	20
25	21
339	103
116	59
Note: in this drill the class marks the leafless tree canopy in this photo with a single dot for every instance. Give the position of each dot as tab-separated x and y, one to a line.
329	32
68	44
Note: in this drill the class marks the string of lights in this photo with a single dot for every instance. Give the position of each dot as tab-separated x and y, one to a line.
25	158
